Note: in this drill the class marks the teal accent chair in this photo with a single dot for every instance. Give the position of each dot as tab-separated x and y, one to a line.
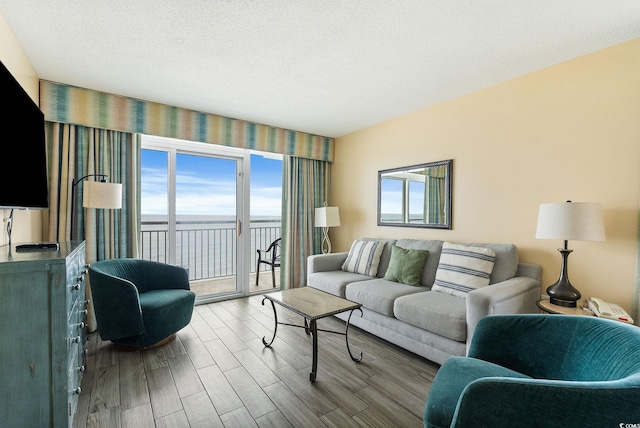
541	371
140	304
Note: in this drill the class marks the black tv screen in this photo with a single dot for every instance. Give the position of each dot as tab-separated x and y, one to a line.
23	168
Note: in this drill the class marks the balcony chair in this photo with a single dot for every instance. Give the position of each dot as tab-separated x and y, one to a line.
140	304
271	257
541	371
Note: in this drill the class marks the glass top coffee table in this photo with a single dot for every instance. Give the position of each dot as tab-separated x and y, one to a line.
312	304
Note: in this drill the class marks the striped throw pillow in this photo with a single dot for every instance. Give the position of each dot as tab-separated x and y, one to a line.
462	269
364	257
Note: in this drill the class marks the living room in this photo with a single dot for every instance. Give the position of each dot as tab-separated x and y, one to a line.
567	131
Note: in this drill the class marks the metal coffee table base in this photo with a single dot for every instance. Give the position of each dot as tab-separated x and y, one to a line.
311	327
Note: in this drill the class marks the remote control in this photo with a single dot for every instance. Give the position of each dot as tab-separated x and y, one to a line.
38	246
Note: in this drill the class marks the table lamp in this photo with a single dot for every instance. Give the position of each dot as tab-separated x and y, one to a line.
577	221
326	217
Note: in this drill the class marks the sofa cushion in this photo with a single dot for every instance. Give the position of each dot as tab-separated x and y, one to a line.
434	247
364	257
439	313
378	294
463	268
406	265
507	260
334	282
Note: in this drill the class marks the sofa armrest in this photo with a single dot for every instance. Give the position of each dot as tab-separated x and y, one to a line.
325	262
530	270
517	295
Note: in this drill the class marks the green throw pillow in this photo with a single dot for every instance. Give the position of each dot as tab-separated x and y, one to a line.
406	266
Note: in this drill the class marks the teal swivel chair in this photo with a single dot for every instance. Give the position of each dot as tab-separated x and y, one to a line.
140	304
541	371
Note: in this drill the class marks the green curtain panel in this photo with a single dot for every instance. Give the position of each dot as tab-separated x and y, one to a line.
305	186
434	198
80	106
75	151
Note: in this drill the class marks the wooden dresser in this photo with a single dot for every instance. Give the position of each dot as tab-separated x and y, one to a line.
43	333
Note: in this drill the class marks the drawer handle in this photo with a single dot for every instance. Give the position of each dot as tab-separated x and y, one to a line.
75	287
75	339
81	325
77	391
82	369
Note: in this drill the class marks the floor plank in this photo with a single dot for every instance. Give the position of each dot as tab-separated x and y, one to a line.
200	411
252	395
138	417
185	376
133	381
163	392
222	395
217	373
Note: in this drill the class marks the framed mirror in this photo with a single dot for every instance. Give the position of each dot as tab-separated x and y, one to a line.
416	196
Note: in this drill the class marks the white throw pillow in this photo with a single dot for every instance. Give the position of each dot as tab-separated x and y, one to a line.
364	257
462	269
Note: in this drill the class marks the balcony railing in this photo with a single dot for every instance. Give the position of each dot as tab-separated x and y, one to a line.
207	249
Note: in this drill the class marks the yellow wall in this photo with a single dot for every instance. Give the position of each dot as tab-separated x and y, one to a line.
571	131
27	225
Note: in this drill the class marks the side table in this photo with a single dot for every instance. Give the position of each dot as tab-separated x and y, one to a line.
546	306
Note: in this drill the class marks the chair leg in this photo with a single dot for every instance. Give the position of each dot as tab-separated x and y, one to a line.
257	274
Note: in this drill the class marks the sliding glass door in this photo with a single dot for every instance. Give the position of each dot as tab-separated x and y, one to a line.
210	209
192	213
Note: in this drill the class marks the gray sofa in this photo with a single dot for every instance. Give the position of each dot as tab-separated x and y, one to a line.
433	324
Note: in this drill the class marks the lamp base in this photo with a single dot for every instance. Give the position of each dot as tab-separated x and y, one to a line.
564	303
326	242
562	293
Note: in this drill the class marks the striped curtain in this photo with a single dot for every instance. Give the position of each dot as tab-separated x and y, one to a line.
75	151
305	186
435	194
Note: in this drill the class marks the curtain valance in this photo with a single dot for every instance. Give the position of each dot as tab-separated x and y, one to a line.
80	106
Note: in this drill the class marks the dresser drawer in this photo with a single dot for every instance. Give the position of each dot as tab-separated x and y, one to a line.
76	277
74	379
76	327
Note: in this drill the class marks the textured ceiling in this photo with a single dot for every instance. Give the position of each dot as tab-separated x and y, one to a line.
328	67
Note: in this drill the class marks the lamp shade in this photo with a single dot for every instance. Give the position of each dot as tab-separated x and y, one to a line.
571	221
100	194
327	217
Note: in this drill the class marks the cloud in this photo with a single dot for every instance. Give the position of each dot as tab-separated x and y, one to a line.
197	195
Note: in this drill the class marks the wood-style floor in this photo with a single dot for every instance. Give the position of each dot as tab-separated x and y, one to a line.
225	284
217	373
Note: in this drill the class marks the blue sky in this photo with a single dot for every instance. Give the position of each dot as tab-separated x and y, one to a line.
392	197
205	185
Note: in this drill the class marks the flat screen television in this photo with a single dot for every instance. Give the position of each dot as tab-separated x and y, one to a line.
23	156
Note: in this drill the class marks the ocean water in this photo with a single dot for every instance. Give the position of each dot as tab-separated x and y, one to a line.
206	245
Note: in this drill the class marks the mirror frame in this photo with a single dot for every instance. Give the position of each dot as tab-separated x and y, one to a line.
448	196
